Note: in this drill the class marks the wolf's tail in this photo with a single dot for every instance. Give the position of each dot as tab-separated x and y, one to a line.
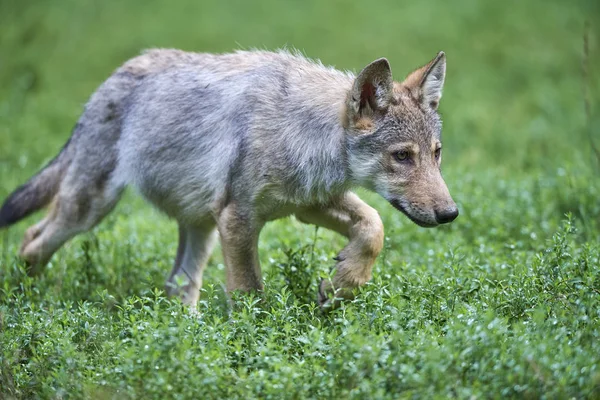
39	190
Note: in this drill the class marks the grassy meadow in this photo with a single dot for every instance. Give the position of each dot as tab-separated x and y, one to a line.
502	303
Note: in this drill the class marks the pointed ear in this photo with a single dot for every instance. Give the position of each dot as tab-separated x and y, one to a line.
427	82
371	91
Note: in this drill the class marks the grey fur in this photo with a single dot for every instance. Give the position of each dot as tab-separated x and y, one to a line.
235	140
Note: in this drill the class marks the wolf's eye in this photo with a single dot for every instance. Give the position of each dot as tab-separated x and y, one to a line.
402	155
438	153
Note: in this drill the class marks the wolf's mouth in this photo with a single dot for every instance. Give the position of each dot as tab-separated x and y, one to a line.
398	206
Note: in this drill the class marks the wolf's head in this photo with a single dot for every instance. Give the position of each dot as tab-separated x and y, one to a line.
394	139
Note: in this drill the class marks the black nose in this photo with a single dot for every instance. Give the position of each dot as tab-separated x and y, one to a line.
447	215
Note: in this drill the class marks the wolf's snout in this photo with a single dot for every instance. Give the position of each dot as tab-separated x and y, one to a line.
446	215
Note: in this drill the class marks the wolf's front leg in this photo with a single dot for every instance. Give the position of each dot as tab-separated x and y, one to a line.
355	219
239	232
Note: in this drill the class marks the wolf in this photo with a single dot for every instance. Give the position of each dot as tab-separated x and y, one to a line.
224	143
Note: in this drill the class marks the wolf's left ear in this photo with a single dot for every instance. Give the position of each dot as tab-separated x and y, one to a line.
372	90
427	82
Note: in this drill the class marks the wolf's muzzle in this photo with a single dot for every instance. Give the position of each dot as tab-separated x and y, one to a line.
447	215
398	206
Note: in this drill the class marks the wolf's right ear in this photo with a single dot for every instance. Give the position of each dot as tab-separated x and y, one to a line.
372	90
427	82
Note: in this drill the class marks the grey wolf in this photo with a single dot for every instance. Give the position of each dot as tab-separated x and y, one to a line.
225	143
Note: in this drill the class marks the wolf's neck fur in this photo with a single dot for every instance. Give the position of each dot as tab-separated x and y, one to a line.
312	122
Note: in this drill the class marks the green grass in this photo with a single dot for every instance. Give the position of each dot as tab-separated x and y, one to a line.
504	302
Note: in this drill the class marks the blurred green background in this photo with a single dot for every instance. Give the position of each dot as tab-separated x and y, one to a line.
517	158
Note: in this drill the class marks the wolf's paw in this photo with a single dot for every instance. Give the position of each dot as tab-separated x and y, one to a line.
187	291
330	298
34	263
323	297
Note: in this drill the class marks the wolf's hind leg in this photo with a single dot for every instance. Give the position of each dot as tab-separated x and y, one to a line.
72	212
35	230
195	247
355	219
239	241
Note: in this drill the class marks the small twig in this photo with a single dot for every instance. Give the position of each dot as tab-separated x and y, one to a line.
5	246
587	103
314	243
